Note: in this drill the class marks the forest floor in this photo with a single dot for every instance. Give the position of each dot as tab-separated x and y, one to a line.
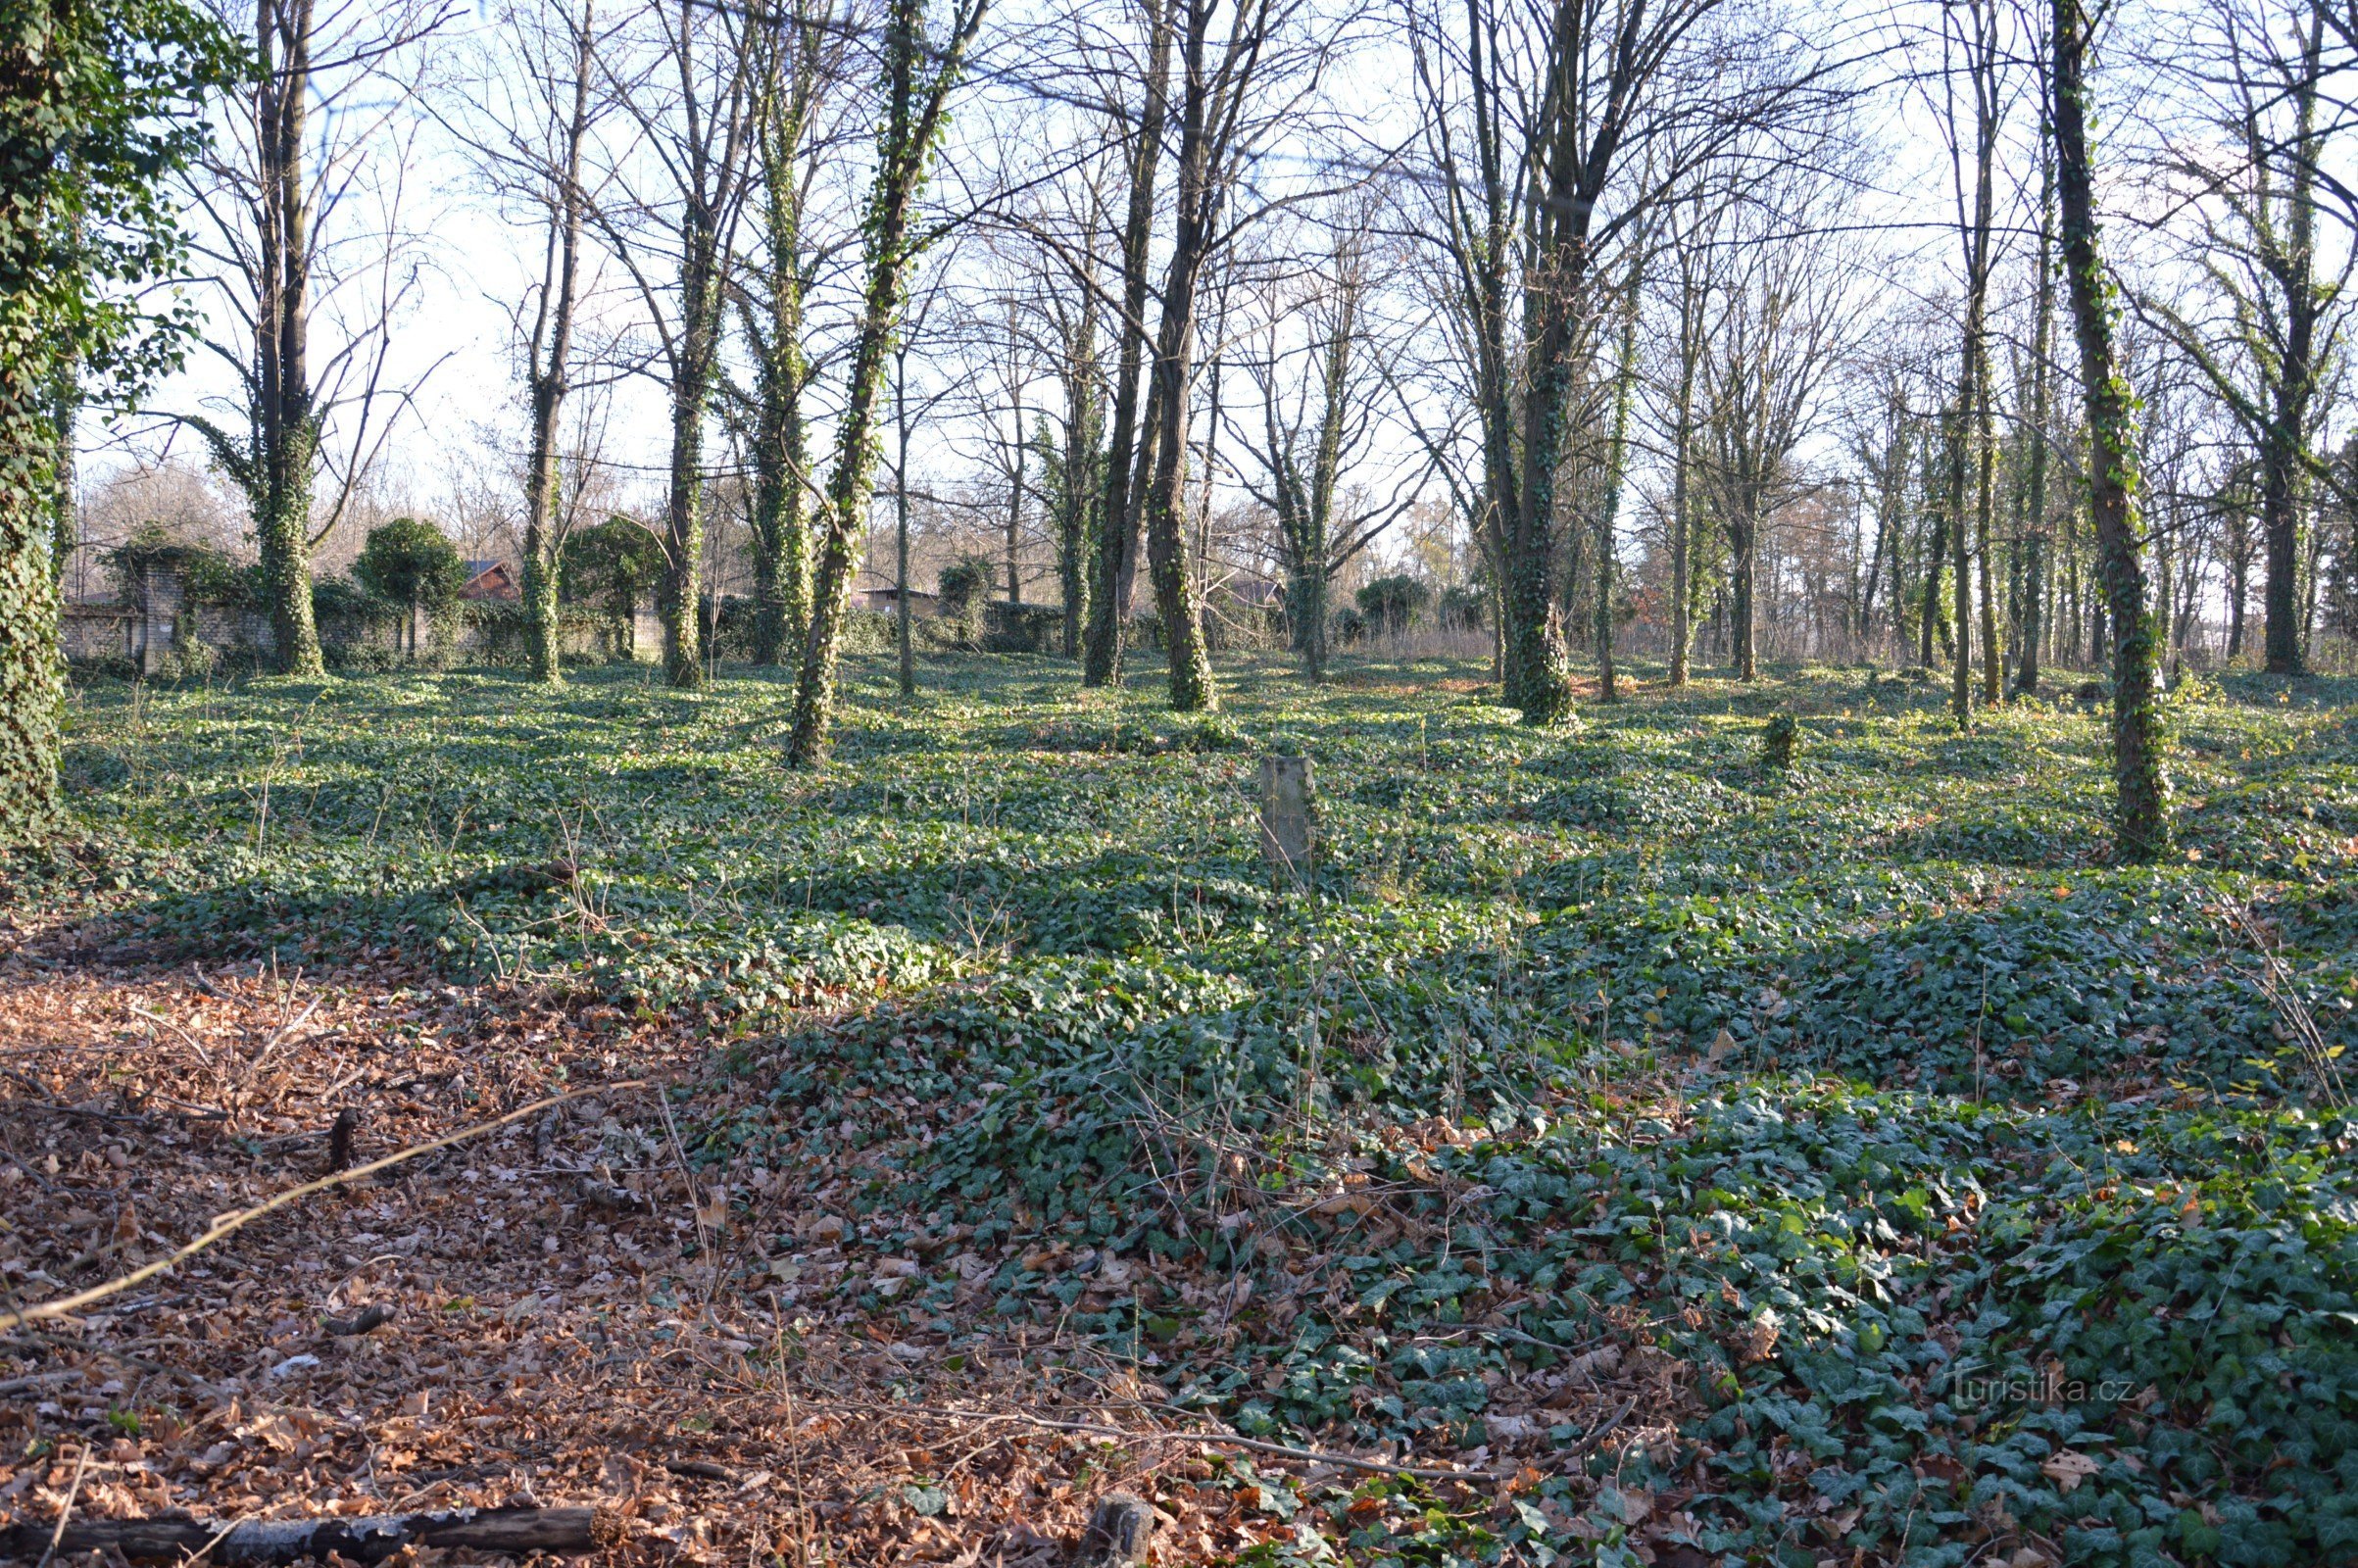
1681	1159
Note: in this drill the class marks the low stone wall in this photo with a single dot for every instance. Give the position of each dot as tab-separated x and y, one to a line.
157	631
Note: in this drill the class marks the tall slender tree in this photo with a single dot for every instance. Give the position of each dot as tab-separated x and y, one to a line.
802	47
920	74
2140	784
1127	458
691	80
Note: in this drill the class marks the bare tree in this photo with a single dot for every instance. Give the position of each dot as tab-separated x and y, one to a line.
803	51
1778	335
2280	307
688	78
302	201
1531	119
2141	787
918	77
527	116
1317	421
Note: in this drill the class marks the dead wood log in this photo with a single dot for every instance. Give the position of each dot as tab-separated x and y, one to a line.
512	1531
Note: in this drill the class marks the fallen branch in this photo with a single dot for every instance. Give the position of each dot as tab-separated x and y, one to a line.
514	1531
230	1224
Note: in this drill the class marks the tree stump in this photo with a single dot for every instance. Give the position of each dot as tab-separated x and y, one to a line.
1120	1532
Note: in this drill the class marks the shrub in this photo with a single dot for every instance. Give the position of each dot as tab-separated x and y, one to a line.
1777	741
612	567
1392	604
410	562
964	588
1464	607
1351	627
355	658
1022	628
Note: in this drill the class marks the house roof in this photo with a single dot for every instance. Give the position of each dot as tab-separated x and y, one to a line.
489	579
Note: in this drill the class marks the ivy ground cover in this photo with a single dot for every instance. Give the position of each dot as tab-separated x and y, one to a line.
1730	1162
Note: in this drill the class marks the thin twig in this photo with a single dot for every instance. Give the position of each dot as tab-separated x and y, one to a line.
230	1224
81	1464
203	1055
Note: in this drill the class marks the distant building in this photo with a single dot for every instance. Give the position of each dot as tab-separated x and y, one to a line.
491	580
920	603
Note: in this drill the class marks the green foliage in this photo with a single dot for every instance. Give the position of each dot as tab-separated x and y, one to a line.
208	577
965	590
1394	604
1777	738
1960	1174
615	564
100	110
410	562
345	606
1463	606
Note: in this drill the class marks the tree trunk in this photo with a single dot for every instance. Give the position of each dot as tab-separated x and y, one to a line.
691	394
285	428
902	608
551	357
1199	203
31	671
780	533
1016	511
2141	823
1682	521
1960	564
1625	379
1117	515
911	130
2042	335
1743	653
1079	482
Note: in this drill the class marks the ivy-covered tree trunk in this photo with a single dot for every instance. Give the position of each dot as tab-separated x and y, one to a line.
1302	547
30	672
905	149
1125	465
65	528
2140	786
1199	202
32	79
1960	559
286	438
1744	651
552	351
680	596
780	525
2042	335
1538	672
1075	473
1625	384
2285	456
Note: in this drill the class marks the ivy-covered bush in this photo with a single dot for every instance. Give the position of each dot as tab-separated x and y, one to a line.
406	563
1394	604
965	589
612	567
